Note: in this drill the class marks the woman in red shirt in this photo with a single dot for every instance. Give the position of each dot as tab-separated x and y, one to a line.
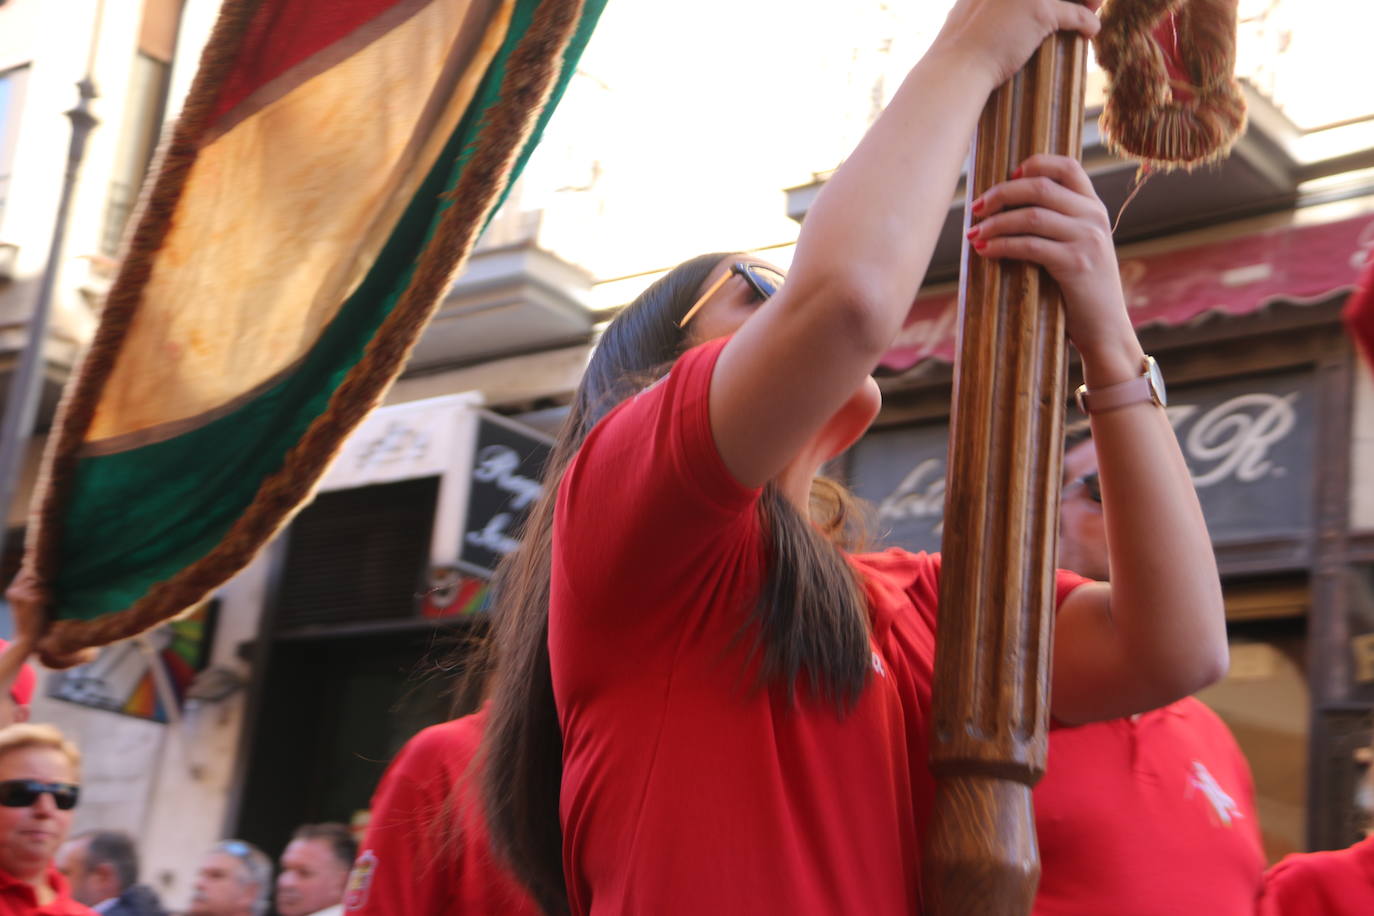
426	850
704	703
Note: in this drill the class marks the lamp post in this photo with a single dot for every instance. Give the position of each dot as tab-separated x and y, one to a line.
26	386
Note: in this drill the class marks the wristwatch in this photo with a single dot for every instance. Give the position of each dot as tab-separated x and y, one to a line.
1148	386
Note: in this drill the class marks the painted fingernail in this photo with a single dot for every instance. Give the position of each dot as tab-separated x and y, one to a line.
972	233
978	205
1016	172
979	244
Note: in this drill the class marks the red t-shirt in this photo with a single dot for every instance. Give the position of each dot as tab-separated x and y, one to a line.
1151	815
686	790
1336	883
409	863
17	898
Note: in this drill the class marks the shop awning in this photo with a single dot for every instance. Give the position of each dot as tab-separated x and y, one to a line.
1232	277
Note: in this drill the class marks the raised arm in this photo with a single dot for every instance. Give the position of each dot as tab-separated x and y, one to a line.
864	249
1158	632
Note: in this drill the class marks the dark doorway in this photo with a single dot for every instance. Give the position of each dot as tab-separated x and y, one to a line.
334	712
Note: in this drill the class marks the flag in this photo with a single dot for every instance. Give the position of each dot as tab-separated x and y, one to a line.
331	168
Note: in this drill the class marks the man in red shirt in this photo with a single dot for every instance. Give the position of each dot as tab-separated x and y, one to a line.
426	849
1337	882
1151	815
39	774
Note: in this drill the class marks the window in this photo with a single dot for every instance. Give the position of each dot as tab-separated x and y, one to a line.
359	555
11	106
137	141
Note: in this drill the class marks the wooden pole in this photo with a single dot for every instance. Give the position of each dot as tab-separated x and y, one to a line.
1001	523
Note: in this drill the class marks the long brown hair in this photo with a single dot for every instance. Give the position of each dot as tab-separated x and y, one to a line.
809	623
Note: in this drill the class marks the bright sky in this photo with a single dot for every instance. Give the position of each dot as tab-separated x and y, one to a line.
687	121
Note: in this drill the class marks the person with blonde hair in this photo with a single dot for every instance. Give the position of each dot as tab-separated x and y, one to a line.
40	772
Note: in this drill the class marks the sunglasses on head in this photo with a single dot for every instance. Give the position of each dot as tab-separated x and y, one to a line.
764	281
21	793
236	848
1091	484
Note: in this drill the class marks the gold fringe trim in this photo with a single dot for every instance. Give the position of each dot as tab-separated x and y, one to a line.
1145	118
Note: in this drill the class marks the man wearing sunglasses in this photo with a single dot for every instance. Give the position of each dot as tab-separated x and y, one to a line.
1150	814
39	774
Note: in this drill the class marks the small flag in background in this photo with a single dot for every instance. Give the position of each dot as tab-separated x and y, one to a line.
333	164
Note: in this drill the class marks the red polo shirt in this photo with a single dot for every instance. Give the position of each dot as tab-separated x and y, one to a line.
1335	883
687	790
412	861
1152	815
17	898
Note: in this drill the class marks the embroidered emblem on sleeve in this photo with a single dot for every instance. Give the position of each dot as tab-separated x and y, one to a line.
360	881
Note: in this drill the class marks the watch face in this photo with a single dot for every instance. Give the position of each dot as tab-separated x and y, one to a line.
1156	381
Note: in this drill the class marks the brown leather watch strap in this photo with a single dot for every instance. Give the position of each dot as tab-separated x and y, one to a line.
1122	394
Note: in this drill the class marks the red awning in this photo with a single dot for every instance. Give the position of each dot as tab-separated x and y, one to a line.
1233	277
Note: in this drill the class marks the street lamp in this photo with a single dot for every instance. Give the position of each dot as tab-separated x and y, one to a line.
21	402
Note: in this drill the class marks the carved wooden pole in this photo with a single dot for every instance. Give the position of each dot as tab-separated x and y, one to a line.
1001	524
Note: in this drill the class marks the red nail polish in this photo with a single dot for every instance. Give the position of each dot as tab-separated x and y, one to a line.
978	205
979	245
972	233
1016	172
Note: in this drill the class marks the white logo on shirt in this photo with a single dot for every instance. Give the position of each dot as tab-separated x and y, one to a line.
878	664
1224	805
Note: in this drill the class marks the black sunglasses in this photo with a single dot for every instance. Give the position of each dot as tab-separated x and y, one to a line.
1091	484
21	793
764	281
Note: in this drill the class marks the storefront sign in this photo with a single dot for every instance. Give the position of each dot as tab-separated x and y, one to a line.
902	472
1249	444
402	442
506	470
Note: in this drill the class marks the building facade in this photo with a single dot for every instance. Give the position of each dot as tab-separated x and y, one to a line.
347	634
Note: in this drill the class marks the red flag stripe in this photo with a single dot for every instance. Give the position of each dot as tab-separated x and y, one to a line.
286	34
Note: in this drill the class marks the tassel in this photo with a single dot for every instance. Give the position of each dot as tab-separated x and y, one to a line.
1172	98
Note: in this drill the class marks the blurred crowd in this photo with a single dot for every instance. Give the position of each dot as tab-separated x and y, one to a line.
47	870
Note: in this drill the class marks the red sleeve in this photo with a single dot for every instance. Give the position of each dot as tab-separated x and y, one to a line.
1065	582
1359	311
644	503
1291	889
403	867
